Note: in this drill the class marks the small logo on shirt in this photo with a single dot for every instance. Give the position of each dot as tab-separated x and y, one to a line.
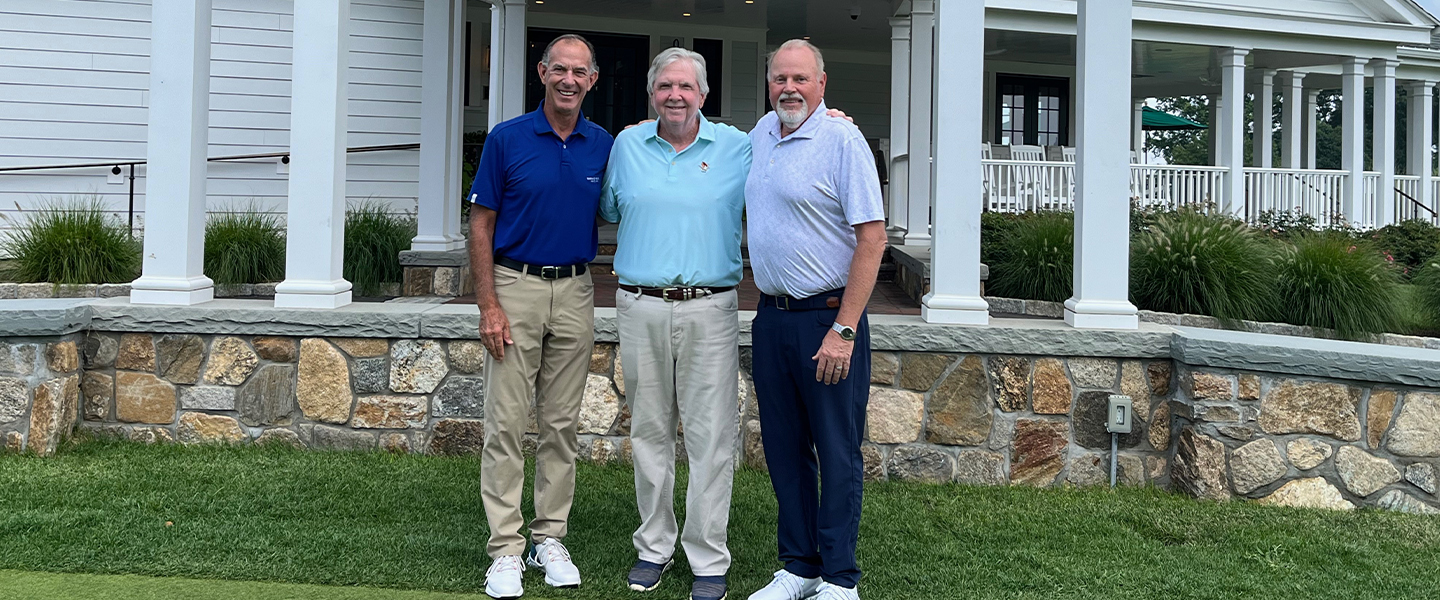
593	179
704	167
473	197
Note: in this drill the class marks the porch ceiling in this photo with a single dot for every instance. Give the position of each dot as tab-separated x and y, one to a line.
1158	68
827	22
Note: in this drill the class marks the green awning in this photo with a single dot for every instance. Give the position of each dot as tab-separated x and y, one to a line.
1155	120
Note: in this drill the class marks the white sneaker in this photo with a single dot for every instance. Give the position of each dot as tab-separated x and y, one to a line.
787	586
830	591
503	578
552	557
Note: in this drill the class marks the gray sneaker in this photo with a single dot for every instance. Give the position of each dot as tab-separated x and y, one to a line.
645	576
708	587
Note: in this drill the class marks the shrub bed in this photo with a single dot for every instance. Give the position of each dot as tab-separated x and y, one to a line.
374	239
74	241
246	246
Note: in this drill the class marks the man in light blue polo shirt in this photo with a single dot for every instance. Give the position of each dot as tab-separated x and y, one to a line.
677	188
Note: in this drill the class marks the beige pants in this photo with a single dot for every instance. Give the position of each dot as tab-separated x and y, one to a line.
552	323
682	361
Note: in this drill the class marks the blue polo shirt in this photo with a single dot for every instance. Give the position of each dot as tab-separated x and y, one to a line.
679	213
545	190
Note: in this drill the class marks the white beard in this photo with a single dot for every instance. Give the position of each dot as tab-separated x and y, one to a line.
793	119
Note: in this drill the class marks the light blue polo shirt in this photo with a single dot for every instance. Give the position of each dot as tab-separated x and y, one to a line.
679	213
806	194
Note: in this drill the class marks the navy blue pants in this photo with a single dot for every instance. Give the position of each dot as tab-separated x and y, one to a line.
812	435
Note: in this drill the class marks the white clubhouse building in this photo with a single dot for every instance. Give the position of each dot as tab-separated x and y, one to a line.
998	105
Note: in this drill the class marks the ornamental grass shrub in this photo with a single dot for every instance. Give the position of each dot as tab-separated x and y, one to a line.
1192	263
1035	258
1331	281
244	246
374	239
72	241
1426	293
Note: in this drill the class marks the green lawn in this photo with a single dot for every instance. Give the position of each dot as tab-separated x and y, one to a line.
415	522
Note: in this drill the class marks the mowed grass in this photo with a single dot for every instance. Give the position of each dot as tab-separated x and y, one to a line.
415	522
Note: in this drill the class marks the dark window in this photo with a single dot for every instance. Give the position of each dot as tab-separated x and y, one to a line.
1032	110
714	53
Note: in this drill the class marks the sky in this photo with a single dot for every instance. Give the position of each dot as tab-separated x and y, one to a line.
1431	5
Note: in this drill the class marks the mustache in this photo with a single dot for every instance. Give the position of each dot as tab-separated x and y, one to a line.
790	96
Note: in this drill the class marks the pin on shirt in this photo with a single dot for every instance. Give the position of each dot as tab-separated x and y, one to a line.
704	167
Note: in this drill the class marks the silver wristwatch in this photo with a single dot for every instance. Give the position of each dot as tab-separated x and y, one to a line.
846	332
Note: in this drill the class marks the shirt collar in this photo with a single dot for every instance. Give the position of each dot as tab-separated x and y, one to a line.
707	130
807	129
542	124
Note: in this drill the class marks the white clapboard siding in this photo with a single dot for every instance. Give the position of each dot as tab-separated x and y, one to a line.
745	90
74	76
863	92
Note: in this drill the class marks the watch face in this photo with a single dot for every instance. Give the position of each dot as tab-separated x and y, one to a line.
847	334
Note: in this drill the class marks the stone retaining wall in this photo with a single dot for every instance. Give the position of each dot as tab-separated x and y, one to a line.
1220	414
40	381
980	419
1306	442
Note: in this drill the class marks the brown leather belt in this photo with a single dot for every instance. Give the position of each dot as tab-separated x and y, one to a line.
676	293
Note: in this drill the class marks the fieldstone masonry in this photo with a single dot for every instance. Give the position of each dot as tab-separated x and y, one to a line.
976	419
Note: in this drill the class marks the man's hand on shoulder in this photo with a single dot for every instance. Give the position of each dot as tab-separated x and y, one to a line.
839	114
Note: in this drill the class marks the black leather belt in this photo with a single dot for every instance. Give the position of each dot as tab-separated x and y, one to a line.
543	272
676	293
820	301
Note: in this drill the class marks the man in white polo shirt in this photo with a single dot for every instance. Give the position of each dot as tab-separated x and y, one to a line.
817	235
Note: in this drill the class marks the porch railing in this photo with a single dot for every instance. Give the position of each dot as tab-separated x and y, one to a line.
1020	185
1313	192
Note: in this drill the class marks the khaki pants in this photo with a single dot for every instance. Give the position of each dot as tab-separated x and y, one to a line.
682	361
552	323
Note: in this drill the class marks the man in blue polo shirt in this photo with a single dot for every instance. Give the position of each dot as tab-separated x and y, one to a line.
532	233
677	188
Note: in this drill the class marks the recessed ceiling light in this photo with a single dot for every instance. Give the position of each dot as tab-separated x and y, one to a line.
749	1
807	37
684	14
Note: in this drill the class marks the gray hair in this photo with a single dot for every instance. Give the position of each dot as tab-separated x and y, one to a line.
668	57
571	37
819	59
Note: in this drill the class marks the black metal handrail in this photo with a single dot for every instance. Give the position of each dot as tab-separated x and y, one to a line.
1416	202
116	164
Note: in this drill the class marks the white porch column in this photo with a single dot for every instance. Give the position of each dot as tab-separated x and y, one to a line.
454	195
922	59
439	163
496	106
1312	99
1263	147
1231	125
514	68
1382	141
1102	171
315	238
955	253
899	127
1352	136
1292	134
1212	121
177	145
1421	98
1137	130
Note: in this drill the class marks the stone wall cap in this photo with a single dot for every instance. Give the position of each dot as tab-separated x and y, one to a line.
44	316
435	258
1307	356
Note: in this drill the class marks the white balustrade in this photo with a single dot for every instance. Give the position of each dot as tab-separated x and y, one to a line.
1311	192
1370	202
1176	186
